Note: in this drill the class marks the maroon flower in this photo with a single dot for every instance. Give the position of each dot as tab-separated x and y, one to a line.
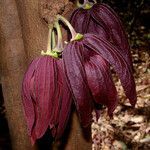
101	20
76	75
113	55
83	22
88	75
99	80
46	97
66	101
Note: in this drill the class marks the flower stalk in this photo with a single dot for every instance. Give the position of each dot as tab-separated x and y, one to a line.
54	49
59	46
48	42
74	34
50	51
53	40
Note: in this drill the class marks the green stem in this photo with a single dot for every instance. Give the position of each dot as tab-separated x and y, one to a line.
49	40
59	46
65	21
74	34
95	1
53	40
49	49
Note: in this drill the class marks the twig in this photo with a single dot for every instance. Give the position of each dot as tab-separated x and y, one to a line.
145	140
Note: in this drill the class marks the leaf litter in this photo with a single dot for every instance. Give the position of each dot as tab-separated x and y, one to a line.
129	129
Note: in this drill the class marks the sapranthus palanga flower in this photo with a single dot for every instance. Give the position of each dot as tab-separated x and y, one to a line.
46	97
89	76
101	20
86	63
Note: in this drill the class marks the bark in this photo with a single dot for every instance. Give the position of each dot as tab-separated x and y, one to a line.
78	138
13	66
20	44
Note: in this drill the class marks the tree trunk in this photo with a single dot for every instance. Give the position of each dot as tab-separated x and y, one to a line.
78	139
20	44
13	59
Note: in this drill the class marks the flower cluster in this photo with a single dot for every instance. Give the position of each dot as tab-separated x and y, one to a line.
78	72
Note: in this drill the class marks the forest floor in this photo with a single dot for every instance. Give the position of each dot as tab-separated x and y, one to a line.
130	127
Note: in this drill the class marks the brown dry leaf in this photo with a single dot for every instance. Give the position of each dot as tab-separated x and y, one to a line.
129	128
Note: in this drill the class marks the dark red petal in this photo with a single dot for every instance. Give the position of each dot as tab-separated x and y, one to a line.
66	101
58	96
100	81
80	20
75	72
28	103
98	29
106	15
113	56
44	91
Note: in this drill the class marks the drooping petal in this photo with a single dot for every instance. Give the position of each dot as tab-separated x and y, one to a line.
76	76
105	14
44	92
46	97
100	81
80	19
97	28
56	101
113	56
60	97
103	21
28	103
82	22
66	102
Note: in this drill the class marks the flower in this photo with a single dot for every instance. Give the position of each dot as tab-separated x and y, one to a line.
101	20
100	80
76	76
46	97
88	74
